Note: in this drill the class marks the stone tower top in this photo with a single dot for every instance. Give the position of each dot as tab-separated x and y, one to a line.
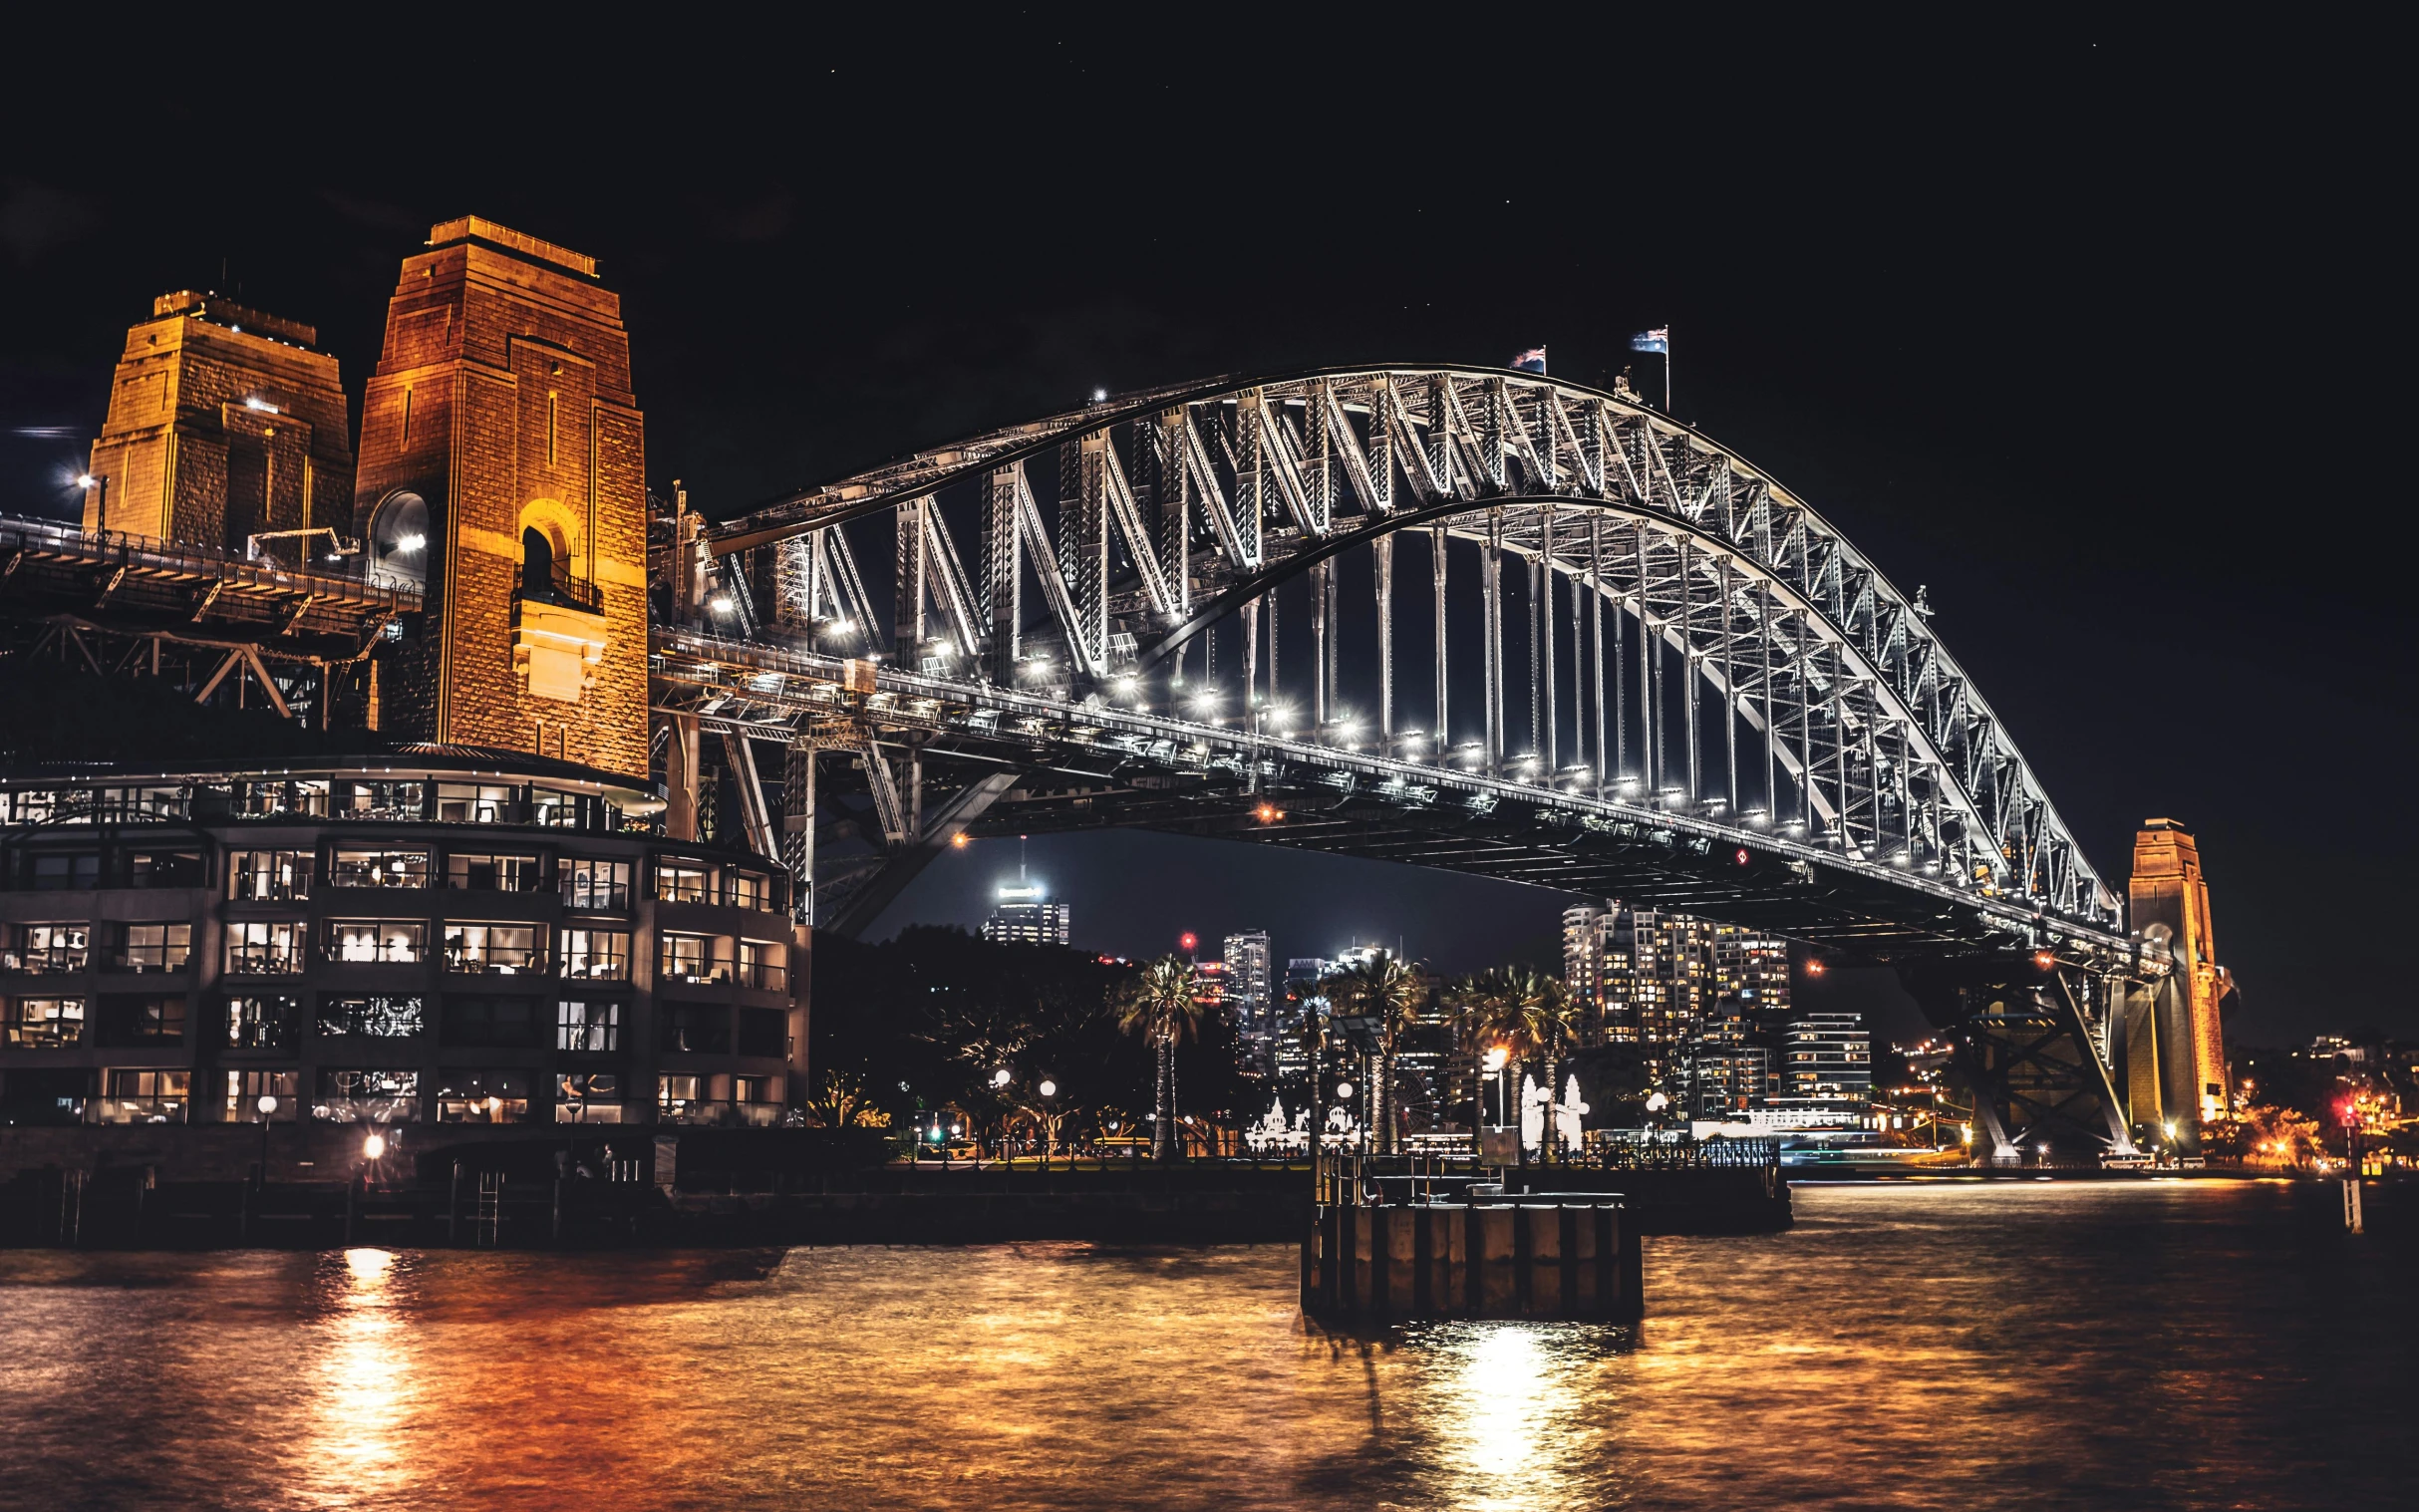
480	229
222	311
222	423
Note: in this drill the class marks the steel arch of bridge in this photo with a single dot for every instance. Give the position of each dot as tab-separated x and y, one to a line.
1182	506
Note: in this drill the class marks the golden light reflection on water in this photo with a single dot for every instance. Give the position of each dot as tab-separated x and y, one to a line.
362	1380
1503	1392
2178	1348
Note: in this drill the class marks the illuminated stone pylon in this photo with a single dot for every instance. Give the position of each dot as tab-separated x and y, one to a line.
2175	1048
503	466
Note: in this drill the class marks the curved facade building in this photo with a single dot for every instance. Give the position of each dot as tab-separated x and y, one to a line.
434	934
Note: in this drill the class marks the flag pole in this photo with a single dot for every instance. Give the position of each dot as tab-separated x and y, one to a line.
1666	370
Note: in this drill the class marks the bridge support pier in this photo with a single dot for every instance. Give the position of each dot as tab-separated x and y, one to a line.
2028	1056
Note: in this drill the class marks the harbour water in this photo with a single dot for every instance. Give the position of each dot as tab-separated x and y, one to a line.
2019	1345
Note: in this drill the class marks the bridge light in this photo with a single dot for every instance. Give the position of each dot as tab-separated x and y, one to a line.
959	841
720	603
84	479
1815	967
1740	856
2042	960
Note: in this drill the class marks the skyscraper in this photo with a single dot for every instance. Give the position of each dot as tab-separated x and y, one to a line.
1705	1002
1247	981
1025	916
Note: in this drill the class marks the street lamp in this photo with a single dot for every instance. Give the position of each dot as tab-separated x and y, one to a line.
1049	1129
267	1103
374	1147
1497	1057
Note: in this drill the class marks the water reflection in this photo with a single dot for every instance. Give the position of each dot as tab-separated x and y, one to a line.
1503	1396
2032	1347
363	1377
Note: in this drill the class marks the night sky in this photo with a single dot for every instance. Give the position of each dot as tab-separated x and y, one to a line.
2080	329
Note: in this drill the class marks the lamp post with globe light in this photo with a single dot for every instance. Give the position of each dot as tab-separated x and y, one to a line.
1050	1124
267	1104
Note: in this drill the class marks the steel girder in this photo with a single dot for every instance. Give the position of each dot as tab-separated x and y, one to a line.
1737	587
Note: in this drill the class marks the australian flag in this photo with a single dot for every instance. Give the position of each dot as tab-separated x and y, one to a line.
1531	361
1657	340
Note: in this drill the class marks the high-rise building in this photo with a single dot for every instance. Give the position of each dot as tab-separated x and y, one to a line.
1023	914
1825	1073
1247	981
1704	1002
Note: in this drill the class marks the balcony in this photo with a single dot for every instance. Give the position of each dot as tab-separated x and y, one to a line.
697	1114
55	960
263	961
46	1034
764	976
497	963
148	963
135	1110
374	953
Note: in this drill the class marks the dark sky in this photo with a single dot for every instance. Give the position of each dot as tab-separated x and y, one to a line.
2080	327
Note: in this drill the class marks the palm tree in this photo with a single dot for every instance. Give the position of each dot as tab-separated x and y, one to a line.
1311	1032
1162	1004
1502	1007
1384	989
1555	1021
1477	1001
1533	1020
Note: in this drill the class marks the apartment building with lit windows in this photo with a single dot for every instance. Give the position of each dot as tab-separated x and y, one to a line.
440	935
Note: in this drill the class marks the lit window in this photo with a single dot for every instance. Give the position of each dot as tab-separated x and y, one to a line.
506	949
750	889
270	947
587	1098
145	1096
371	1018
380	868
270	877
482	1095
46	1022
367	1095
46	948
765	965
155	947
261	1022
593	885
376	940
246	1088
492	873
692	958
588	1024
473	803
596	955
682	885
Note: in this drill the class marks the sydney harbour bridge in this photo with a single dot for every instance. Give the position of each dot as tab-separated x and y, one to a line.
1450	616
1463	618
